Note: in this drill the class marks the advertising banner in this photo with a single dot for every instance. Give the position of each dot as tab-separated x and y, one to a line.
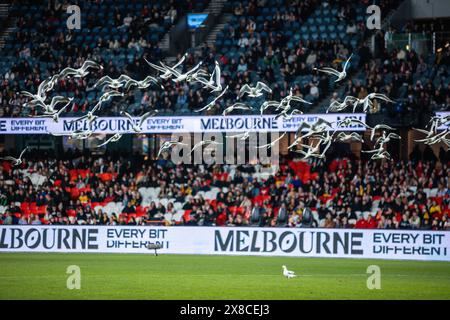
294	242
191	124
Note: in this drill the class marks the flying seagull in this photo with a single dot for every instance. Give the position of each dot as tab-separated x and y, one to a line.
55	115
256	91
211	105
16	161
341	75
271	144
236	106
116	137
80	72
166	73
138	128
203	143
169	144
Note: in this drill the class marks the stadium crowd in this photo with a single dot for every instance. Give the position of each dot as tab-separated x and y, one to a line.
343	193
264	48
418	84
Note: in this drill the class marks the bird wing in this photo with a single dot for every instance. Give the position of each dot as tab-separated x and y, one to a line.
328	71
103	80
295	98
156	67
217	73
262	86
144	117
213	102
346	62
273	142
195	68
383	97
9	158
90	64
67	72
181	60
171	70
127	115
244	89
268	104
107	141
23	151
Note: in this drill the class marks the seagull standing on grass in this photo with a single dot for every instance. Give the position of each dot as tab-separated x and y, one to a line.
288	274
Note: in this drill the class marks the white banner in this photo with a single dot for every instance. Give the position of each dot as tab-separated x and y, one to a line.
345	243
191	124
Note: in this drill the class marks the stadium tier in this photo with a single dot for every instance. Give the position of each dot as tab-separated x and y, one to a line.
113	191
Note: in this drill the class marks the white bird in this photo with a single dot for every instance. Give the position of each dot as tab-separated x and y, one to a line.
138	128
254	92
50	108
75	135
341	75
169	144
90	116
288	274
116	137
181	76
166	73
268	104
350	121
143	84
285	103
241	136
378	127
317	127
342	136
386	138
203	143
367	101
283	114
337	106
429	133
211	105
41	95
214	81
236	106
435	138
112	83
55	115
107	96
80	72
378	153
382	155
271	144
16	161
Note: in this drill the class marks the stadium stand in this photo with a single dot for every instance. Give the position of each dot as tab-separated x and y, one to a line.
132	32
278	42
287	39
342	193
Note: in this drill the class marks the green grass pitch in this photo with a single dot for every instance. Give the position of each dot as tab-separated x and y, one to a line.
144	276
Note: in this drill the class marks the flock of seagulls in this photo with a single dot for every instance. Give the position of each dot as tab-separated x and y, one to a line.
319	135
